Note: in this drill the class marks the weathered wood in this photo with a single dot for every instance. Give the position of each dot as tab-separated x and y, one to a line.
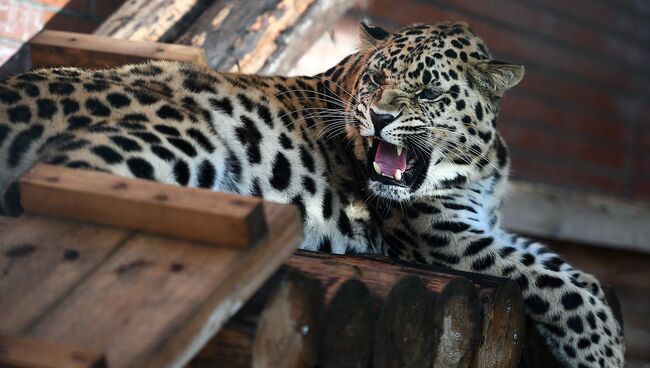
16	352
404	335
503	329
378	273
348	328
457	320
149	302
42	259
152	20
58	48
102	198
266	36
289	328
562	214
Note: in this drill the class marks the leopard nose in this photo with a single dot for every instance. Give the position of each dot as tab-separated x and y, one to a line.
381	120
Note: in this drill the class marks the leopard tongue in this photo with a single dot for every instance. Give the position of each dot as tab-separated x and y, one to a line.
387	161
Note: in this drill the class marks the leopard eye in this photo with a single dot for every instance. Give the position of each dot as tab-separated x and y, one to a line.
428	94
376	79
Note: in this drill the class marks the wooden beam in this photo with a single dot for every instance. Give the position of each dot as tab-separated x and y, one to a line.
58	48
266	37
17	352
152	20
556	213
102	198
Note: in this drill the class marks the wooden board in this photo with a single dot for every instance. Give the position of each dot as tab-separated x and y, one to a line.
58	48
18	352
266	36
142	300
106	199
551	212
151	20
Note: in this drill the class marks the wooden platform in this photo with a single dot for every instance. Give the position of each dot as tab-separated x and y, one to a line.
138	299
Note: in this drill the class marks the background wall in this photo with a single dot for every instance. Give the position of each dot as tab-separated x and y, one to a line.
580	119
22	19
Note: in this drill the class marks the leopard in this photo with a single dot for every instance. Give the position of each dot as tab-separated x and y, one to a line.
394	150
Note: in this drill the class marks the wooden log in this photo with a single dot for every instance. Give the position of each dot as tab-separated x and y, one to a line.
457	320
187	213
266	36
503	329
152	20
404	335
58	48
289	328
379	274
348	328
16	352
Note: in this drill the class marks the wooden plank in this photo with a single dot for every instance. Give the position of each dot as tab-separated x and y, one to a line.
102	198
158	300
266	36
552	212
58	48
41	259
151	20
16	352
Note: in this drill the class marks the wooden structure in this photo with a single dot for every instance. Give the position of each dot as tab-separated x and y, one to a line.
160	291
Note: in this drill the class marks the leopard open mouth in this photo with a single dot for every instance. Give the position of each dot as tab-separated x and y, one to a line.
392	164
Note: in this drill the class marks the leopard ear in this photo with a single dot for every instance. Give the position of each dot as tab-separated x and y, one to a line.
371	35
496	77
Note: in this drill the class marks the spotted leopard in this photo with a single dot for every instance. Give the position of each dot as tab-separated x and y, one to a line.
394	150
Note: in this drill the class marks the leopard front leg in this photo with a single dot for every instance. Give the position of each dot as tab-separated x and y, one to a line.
568	305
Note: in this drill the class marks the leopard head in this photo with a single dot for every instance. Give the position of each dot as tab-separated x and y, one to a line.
425	106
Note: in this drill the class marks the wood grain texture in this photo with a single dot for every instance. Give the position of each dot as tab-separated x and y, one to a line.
349	328
16	352
289	328
378	273
102	198
404	335
503	327
267	36
41	259
58	48
143	300
457	320
151	20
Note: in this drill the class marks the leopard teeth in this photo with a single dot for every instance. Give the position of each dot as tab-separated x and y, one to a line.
377	168
399	150
398	174
370	141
